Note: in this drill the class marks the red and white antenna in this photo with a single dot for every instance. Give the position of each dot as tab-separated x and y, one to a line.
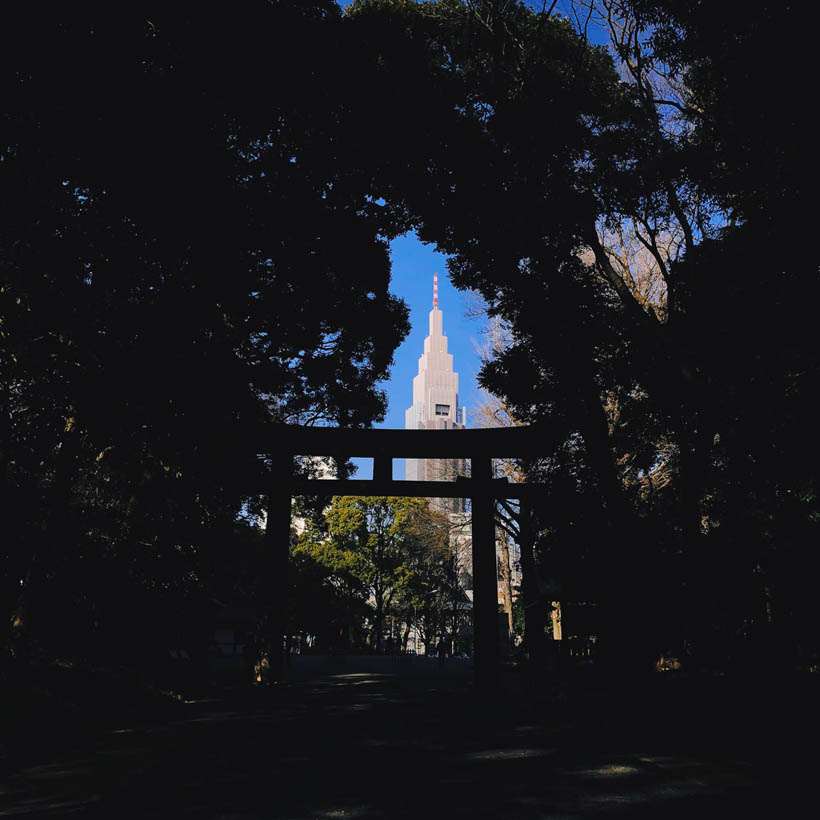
435	290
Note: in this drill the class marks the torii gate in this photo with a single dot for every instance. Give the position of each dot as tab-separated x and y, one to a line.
479	445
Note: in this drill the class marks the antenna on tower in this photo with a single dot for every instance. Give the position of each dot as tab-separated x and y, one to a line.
435	290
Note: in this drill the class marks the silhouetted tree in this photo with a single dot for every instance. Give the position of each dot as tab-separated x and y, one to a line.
635	230
189	250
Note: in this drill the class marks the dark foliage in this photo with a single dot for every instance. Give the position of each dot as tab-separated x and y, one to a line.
193	237
189	250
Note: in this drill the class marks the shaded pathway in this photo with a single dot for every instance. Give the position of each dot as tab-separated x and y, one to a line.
375	740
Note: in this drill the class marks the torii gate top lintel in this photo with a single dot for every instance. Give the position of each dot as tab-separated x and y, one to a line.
480	445
501	442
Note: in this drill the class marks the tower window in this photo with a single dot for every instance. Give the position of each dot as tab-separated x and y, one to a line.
442	409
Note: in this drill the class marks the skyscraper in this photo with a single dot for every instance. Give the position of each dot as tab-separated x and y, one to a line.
435	407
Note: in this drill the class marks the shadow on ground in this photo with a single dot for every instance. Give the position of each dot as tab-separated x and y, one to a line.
375	738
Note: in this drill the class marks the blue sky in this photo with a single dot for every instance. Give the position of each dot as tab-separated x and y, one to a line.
413	266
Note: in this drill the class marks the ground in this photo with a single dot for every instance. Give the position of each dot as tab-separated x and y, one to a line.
410	738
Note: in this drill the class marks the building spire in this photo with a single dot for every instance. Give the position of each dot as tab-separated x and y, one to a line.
436	407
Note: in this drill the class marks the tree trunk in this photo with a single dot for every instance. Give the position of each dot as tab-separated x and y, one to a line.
54	525
534	607
557	621
693	450
378	623
625	650
506	583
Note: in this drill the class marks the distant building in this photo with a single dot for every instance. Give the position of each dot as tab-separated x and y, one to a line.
436	407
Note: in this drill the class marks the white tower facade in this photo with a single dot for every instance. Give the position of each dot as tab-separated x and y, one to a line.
436	407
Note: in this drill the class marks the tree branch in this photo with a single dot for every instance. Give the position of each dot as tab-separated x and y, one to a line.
605	267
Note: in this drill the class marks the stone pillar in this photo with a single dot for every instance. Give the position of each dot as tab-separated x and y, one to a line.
277	559
485	584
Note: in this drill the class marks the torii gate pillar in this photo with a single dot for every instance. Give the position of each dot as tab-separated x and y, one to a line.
485	583
277	542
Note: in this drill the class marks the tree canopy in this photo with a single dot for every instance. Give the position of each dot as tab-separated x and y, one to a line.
189	248
392	554
629	216
194	237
